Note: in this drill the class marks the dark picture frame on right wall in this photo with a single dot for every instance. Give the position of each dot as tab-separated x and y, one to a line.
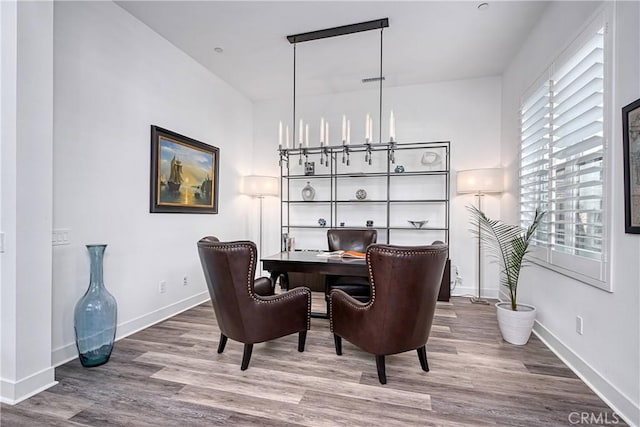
631	148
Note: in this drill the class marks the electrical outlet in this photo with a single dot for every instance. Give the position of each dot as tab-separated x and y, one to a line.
579	325
185	282
162	287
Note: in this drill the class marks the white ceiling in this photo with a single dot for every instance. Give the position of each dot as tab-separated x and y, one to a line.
426	41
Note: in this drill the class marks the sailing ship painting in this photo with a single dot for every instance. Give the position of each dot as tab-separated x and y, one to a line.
175	179
185	174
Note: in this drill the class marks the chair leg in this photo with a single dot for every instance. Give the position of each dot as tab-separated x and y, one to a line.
382	376
222	343
422	355
302	338
338	342
246	356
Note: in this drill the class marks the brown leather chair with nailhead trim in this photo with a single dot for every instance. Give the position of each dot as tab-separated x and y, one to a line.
246	308
349	239
405	282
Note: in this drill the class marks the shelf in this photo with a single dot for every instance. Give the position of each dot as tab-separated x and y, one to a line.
374	227
419	201
361	175
306	176
366	175
418	173
305	226
419	229
405	201
360	201
303	202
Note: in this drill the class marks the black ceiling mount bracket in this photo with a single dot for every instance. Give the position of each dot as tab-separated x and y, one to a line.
339	31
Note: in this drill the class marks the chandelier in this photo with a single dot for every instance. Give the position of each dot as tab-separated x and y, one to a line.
299	143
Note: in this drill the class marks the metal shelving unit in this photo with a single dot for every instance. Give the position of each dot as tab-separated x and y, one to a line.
394	193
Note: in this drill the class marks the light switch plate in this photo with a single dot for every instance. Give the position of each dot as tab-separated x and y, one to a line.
61	236
579	325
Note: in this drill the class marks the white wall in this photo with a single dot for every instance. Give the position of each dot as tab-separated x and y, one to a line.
465	112
27	144
114	77
607	355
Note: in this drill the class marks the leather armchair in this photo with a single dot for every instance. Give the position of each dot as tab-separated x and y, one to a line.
246	308
347	239
405	282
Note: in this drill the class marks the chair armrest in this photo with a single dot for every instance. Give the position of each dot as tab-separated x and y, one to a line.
342	298
344	310
279	315
263	286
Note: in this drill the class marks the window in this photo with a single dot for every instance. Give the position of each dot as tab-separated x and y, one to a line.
563	158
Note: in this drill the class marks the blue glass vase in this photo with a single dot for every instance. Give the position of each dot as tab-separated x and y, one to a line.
95	315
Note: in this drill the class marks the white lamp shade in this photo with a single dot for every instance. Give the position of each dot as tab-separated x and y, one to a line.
260	185
480	181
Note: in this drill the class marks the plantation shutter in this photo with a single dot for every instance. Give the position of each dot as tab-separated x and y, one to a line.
563	158
577	148
534	160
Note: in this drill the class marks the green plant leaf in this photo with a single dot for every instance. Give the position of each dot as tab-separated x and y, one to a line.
507	244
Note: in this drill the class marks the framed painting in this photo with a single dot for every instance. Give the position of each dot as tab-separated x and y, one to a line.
631	147
184	174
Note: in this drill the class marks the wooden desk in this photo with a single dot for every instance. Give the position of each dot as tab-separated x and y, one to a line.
309	262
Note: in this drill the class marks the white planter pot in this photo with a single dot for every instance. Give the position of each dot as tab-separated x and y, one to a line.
515	326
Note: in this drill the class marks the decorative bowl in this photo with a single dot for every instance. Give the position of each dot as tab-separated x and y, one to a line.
418	224
430	158
361	194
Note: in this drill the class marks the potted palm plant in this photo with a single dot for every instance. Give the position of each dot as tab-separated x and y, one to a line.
508	244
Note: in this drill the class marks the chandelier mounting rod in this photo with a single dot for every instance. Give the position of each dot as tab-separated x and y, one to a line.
339	31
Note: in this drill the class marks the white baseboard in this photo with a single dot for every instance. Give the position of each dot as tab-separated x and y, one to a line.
13	392
463	291
618	401
623	406
62	355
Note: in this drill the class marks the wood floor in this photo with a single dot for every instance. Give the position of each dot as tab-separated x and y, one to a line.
171	375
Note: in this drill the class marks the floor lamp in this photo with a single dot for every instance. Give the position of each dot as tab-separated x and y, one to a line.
260	186
479	182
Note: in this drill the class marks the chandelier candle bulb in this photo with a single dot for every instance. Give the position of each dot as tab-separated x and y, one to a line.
344	129
280	135
367	136
300	133
326	132
321	131
392	127
306	135
348	132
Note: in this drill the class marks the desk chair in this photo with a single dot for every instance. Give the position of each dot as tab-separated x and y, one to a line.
349	240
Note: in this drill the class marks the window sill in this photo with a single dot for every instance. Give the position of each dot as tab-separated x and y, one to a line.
602	285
